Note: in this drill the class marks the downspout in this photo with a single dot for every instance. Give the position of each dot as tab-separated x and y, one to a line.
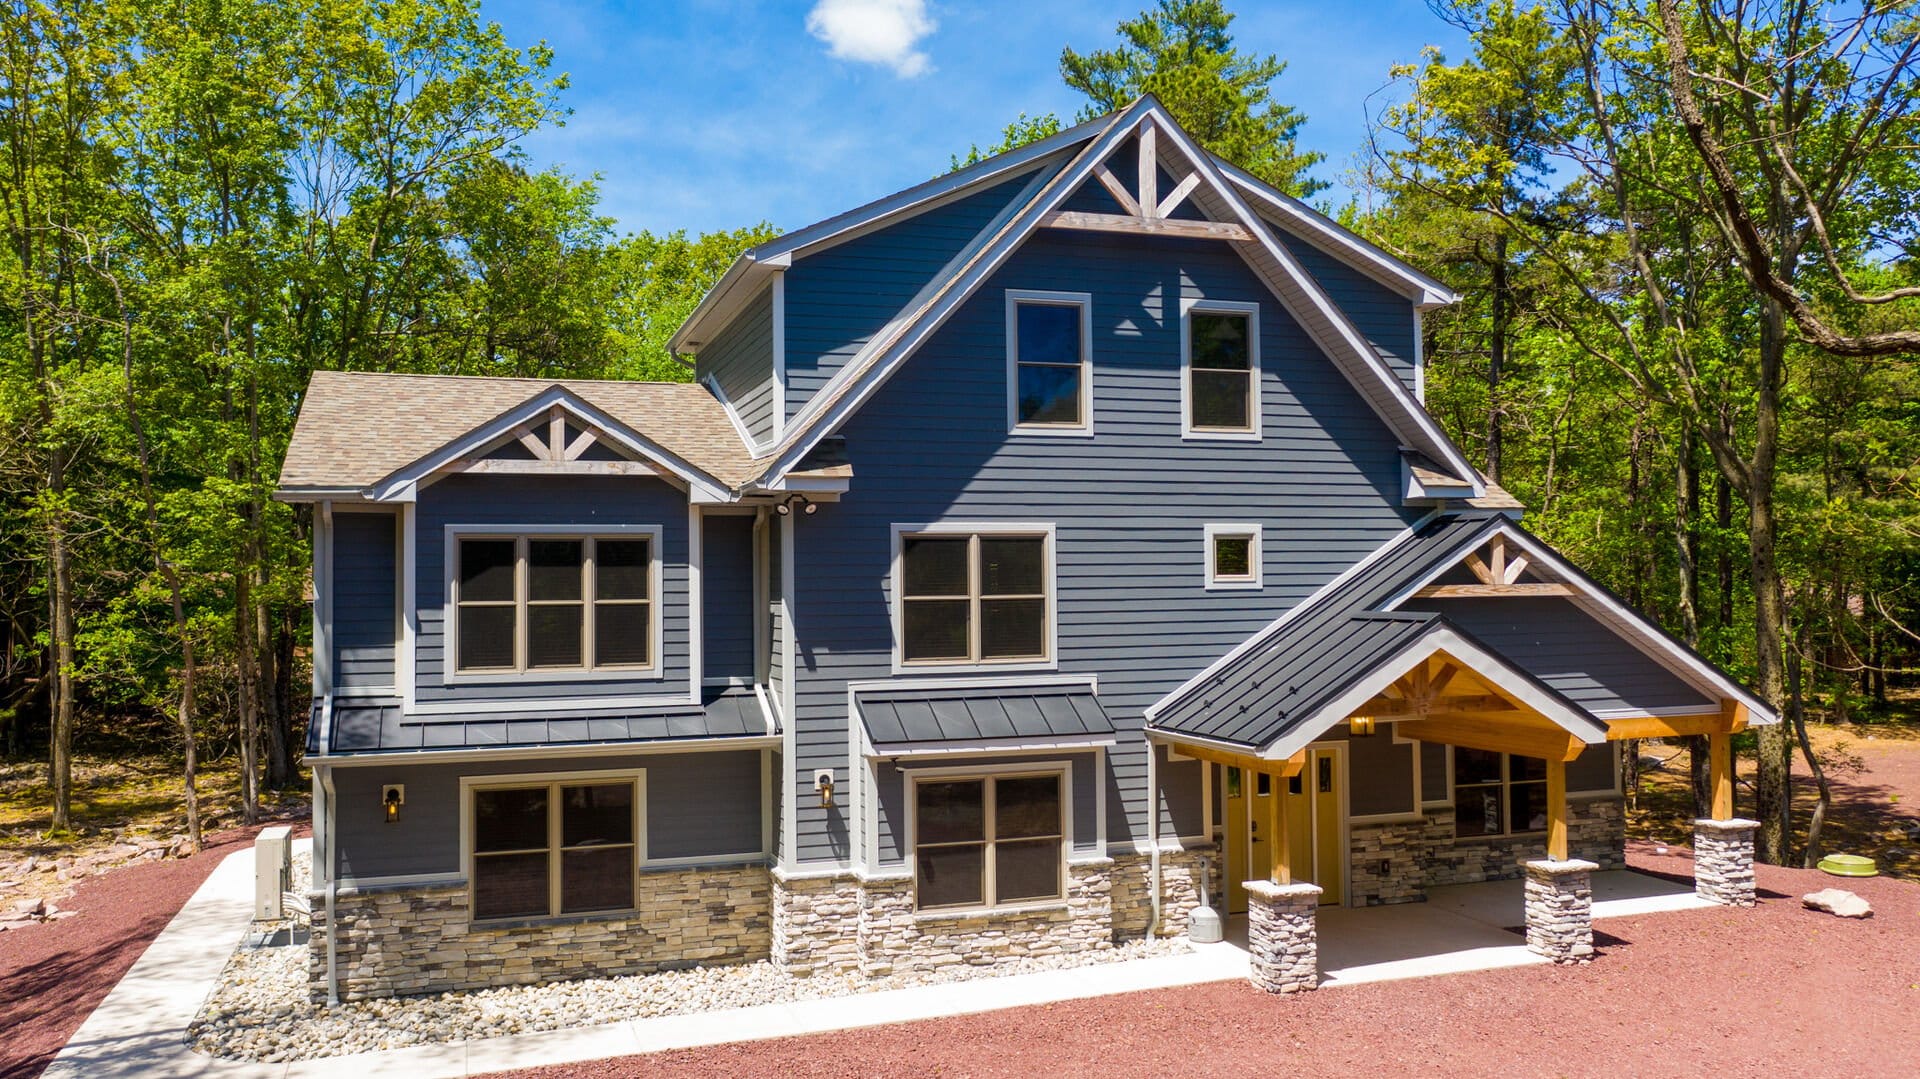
1153	837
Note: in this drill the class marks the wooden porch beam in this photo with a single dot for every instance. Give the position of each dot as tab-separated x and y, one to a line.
1390	707
1172	226
1494	736
1619	730
1285	769
1282	837
1720	774
1487	591
555	468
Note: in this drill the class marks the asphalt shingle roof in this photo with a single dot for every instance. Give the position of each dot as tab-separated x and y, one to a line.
358	428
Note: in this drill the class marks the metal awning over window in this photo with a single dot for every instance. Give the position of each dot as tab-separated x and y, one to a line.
900	720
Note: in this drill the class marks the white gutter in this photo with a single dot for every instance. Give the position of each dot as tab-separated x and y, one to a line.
1153	838
323	780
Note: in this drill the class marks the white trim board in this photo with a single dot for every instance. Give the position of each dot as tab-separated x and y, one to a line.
895	583
1083	303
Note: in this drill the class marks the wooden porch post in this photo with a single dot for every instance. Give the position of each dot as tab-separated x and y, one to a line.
1281	838
1720	773
1556	809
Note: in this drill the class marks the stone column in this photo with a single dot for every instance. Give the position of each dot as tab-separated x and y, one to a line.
1560	909
1282	942
1723	861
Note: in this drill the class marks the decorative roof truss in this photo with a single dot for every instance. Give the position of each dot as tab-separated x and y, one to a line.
555	450
1147	211
1441	700
1497	574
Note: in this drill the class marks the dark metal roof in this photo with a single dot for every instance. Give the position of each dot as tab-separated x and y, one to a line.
376	726
905	717
1293	669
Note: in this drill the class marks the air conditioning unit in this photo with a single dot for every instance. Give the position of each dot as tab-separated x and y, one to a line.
272	872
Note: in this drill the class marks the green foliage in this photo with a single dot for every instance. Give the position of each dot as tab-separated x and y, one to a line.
1182	53
1023	130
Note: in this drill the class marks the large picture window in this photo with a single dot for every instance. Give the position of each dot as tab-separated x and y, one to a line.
539	603
988	842
1222	377
551	849
974	597
1049	361
1498	793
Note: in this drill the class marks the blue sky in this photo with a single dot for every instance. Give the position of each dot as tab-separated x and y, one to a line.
710	114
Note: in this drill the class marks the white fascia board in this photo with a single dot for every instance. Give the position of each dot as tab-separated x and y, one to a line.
402	484
1329	236
725	299
1641	632
1484	665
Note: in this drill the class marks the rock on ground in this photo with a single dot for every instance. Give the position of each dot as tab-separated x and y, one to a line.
1838	902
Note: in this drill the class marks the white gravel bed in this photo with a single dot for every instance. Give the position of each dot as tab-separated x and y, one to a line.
260	1009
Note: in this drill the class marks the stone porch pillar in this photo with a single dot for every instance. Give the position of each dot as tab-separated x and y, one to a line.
1282	941
1723	861
1560	909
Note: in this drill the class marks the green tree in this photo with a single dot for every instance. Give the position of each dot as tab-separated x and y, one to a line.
1182	52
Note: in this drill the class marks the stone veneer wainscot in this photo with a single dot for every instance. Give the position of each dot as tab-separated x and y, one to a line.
411	939
1423	853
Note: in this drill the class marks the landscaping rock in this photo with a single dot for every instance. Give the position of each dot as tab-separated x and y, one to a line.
1838	902
32	908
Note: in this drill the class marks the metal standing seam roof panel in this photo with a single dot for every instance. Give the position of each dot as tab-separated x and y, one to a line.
904	715
377	726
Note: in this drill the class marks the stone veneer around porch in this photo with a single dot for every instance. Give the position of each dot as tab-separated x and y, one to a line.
1397	861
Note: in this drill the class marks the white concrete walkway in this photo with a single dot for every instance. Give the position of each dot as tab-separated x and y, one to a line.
140	1029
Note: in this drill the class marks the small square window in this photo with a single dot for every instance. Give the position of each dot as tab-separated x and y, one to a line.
1233	556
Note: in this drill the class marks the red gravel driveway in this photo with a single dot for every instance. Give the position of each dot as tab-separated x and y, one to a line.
53	975
1777	990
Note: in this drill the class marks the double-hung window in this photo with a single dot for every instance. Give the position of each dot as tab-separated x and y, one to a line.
1049	362
975	597
549	849
1498	793
1221	370
988	842
537	603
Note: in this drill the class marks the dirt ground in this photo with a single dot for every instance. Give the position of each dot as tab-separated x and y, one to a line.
53	974
1723	993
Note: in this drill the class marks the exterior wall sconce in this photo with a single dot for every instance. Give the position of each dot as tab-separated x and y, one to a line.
823	783
1360	726
807	507
392	797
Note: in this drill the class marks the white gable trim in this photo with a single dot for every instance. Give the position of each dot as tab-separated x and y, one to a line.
1485	665
1423	291
403	485
1294	288
1590	597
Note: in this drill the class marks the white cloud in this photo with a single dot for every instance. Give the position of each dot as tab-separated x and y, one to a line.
883	32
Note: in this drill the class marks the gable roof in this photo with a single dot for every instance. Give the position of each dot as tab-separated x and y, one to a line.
1305	664
359	430
1297	291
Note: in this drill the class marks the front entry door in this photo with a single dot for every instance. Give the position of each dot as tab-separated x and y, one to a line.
1313	818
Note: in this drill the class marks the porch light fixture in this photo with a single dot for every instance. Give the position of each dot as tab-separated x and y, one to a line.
391	798
1360	726
823	782
786	508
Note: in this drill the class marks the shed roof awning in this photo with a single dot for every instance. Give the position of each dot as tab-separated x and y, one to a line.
903	720
359	727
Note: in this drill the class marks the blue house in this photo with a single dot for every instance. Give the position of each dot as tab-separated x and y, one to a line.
1034	547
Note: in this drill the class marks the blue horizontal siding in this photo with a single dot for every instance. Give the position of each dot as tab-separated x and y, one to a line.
726	596
1129	504
1383	316
582	502
740	359
366	620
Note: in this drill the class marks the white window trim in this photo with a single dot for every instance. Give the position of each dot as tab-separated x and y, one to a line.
916	776
1256	557
1082	300
896	583
470	784
655	669
1188	305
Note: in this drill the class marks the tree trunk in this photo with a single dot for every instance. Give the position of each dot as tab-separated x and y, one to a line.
1497	357
60	740
247	656
1773	792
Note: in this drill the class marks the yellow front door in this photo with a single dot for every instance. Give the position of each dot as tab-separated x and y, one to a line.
1313	825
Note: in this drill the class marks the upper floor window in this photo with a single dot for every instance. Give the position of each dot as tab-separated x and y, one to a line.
1498	793
1233	556
975	597
1050	362
540	603
1220	370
